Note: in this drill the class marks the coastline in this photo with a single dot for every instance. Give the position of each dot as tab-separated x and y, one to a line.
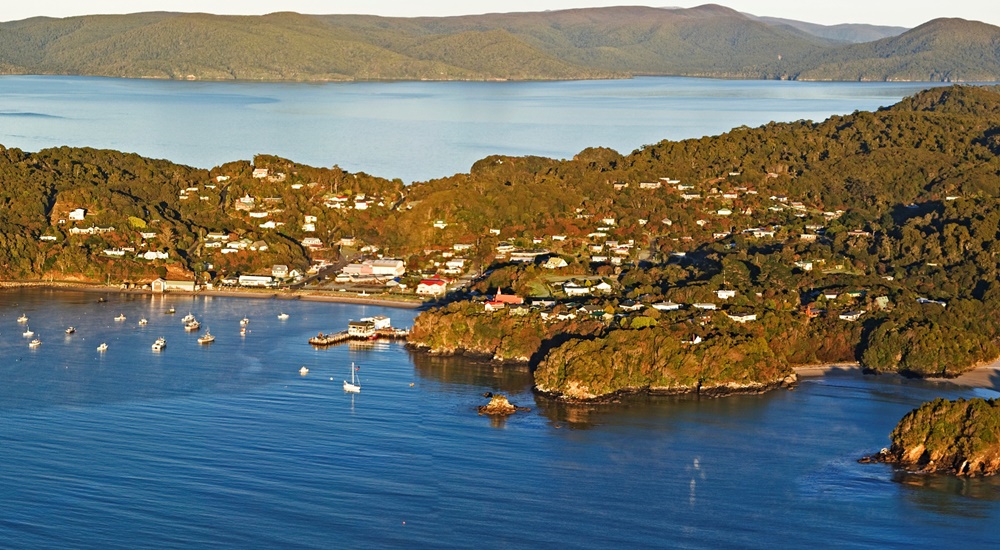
310	295
986	376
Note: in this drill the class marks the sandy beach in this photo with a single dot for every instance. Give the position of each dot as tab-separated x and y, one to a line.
987	376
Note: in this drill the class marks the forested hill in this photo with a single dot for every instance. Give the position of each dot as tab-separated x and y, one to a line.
709	40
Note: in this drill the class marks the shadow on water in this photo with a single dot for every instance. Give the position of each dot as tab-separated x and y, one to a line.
936	493
480	375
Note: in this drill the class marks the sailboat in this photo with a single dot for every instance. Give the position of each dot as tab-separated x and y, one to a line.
22	319
352	386
28	333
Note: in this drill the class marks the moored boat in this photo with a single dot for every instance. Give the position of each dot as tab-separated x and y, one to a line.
353	386
121	317
70	330
28	333
159	344
102	347
187	318
22	319
34	343
143	322
192	325
282	316
206	338
304	370
244	321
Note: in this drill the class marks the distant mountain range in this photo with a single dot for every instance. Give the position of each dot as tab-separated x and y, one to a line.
708	41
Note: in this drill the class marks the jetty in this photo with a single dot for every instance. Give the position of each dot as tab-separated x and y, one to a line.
369	328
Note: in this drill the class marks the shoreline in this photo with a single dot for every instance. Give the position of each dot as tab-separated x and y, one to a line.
986	376
308	296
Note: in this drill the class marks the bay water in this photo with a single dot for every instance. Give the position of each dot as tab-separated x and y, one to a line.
414	131
228	445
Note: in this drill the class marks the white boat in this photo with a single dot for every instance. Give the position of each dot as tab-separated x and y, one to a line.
352	386
143	322
102	347
207	338
70	330
171	311
159	344
121	317
187	318
22	319
282	316
192	325
243	331
244	321
28	333
304	370
34	343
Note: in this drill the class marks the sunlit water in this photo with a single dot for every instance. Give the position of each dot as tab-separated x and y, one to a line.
227	445
409	130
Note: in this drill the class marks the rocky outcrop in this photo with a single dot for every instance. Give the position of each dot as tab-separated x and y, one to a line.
500	406
952	437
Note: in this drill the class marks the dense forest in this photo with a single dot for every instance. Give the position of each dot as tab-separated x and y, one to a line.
615	42
869	237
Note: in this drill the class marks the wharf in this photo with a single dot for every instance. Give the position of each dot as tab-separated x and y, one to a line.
345	336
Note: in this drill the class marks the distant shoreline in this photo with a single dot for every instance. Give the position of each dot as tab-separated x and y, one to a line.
304	295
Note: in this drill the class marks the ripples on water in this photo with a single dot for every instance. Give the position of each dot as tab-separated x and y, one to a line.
227	445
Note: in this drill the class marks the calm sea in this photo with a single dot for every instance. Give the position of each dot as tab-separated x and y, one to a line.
227	445
414	131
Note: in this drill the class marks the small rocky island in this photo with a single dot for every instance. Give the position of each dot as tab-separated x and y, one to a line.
499	405
952	437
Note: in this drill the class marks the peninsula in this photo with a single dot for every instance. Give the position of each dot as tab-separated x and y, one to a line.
708	266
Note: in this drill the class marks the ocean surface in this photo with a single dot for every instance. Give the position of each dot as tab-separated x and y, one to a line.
228	446
414	131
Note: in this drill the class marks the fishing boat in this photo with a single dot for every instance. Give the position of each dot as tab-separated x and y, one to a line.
121	317
143	322
187	318
22	319
28	333
34	343
170	311
352	386
159	344
282	316
206	338
304	370
70	330
244	321
102	347
192	325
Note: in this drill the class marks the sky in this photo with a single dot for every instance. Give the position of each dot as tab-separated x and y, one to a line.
902	13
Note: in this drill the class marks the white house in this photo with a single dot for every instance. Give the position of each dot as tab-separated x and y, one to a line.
574	289
725	294
742	317
77	215
432	287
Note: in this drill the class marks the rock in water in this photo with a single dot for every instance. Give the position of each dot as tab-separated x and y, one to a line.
499	405
955	437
